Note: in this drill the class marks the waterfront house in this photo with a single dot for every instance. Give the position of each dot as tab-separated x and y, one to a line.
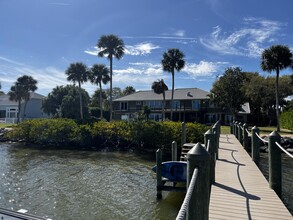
189	104
9	109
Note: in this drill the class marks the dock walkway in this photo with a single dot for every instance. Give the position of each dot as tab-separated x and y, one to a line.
241	191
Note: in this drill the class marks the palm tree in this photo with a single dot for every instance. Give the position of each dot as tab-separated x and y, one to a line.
160	87
21	91
128	90
99	74
173	60
78	72
276	58
111	46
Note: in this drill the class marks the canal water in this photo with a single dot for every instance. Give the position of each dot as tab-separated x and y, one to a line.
66	184
287	177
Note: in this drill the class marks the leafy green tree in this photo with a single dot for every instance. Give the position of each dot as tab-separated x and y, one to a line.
227	90
147	111
173	60
276	58
78	72
21	91
160	87
95	100
1	92
111	46
99	74
128	90
63	101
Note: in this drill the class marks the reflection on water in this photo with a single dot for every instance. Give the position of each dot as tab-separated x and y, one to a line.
63	184
287	177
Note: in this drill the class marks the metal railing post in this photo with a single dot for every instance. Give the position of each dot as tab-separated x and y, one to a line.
159	173
275	163
210	137
255	145
198	207
245	137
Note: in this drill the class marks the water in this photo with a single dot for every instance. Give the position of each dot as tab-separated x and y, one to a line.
64	184
287	177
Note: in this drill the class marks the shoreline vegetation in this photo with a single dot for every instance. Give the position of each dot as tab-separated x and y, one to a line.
144	135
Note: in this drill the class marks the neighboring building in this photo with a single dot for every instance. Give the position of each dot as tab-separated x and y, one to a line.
9	109
189	104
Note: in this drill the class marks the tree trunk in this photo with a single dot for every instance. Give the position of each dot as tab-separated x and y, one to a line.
101	100
111	104
172	96
277	100
164	104
24	109
18	113
80	100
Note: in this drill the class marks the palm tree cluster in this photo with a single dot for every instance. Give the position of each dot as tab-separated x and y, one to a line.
111	47
20	91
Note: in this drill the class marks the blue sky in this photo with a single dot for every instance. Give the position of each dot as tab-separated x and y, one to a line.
42	37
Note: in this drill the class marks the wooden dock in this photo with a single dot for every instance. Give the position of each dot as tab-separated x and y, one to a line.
241	191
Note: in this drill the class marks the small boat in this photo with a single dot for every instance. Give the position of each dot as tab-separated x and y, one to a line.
174	170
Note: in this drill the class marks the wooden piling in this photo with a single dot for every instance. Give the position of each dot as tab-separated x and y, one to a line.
275	163
159	173
183	133
255	145
209	136
174	151
198	207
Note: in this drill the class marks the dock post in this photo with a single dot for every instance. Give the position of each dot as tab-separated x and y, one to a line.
198	207
183	133
174	151
210	136
215	131
234	128
255	145
245	136
275	163
239	133
231	128
159	173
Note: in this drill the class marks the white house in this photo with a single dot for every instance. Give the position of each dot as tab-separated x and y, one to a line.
9	109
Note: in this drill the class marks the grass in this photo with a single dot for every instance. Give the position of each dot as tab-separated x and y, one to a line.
263	130
6	125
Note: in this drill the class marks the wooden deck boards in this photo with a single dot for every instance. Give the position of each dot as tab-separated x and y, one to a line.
241	191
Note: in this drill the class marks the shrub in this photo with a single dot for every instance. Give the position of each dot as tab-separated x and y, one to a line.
48	131
286	120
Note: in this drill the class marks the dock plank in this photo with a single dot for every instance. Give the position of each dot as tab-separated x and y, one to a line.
241	191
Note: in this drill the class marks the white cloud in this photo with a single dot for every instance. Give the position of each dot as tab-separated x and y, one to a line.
133	50
204	68
140	49
180	33
247	41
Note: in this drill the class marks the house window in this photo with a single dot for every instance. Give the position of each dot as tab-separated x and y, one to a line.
154	104
11	112
175	104
155	116
138	102
123	106
195	104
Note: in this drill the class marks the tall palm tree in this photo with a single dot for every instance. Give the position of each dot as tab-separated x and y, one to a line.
160	87
78	72
99	74
111	46
21	91
276	58
173	60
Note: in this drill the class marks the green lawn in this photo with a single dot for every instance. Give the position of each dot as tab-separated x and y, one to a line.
5	125
263	130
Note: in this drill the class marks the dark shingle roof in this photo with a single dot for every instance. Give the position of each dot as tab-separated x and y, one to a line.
179	94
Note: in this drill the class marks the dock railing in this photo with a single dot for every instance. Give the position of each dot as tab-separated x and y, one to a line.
201	161
274	151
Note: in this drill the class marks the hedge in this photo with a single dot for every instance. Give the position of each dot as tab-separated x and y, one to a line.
114	134
286	120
